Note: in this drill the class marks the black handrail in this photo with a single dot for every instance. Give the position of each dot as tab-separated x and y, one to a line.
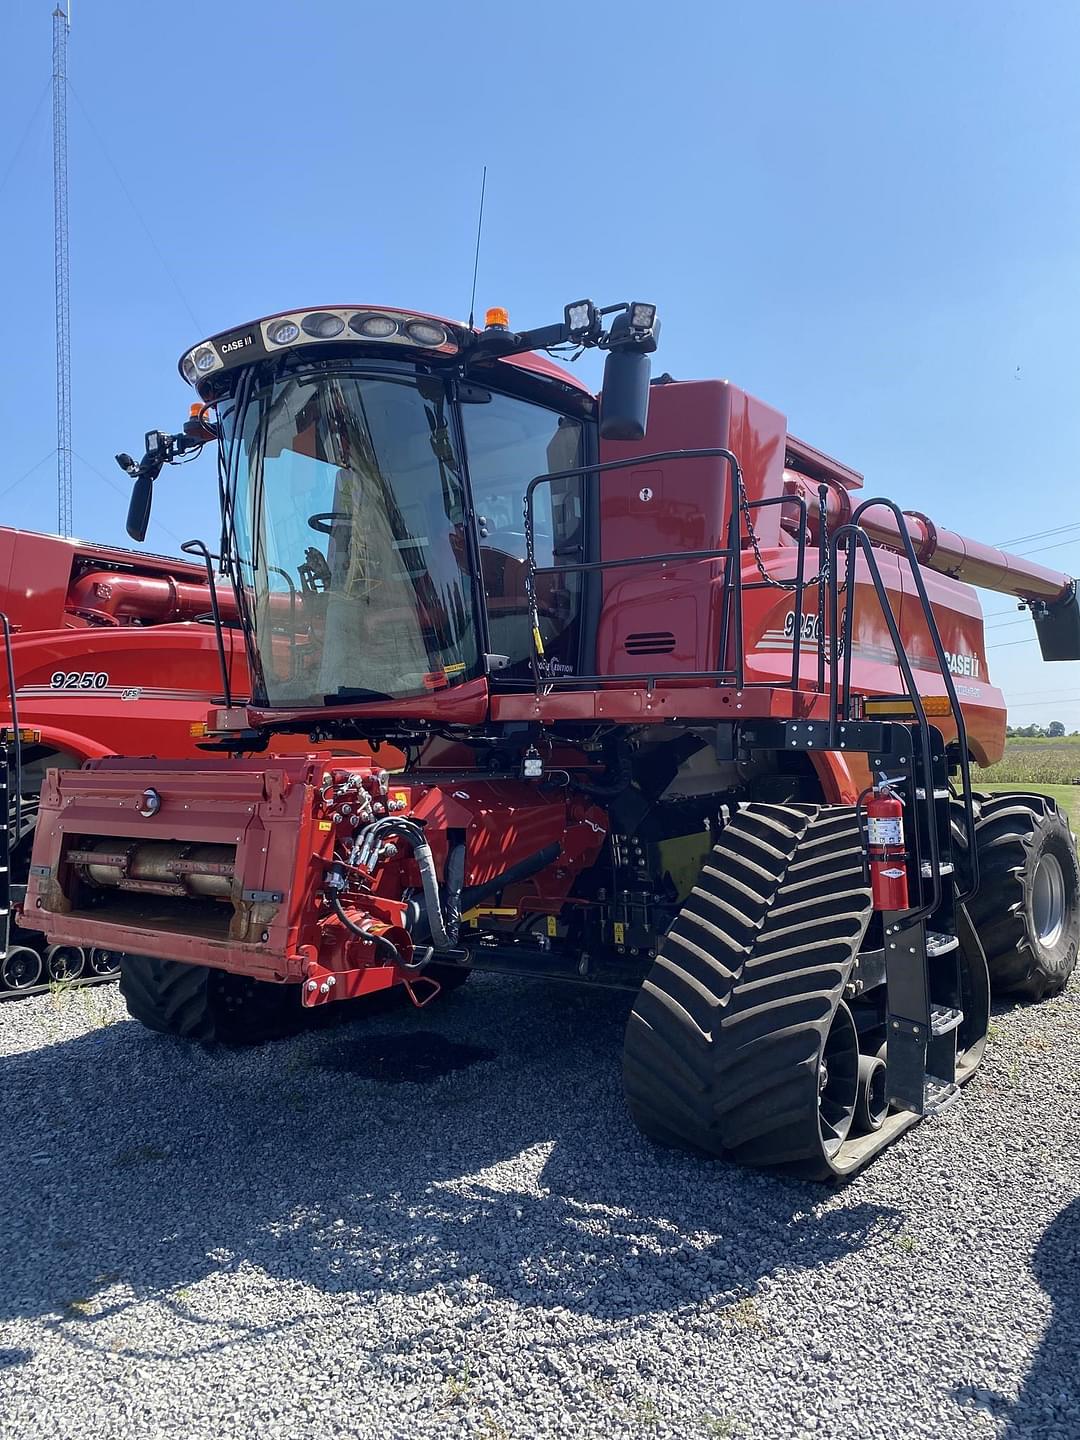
950	687
5	841
855	537
9	667
731	620
197	547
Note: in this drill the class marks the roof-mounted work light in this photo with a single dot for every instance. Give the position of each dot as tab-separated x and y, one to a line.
582	322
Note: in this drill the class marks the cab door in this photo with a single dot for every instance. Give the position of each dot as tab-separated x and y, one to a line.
508	442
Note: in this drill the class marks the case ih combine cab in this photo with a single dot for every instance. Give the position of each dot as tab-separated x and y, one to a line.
680	713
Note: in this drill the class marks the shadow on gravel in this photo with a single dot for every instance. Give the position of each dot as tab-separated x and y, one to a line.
411	1059
128	1159
1049	1402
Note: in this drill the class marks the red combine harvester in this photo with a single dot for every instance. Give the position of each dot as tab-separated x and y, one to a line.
113	652
681	715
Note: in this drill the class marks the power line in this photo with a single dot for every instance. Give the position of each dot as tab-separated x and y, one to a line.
1058	545
27	473
1008	644
136	211
25	135
1038	534
121	490
1042	704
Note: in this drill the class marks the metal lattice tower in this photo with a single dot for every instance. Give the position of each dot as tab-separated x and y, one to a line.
61	19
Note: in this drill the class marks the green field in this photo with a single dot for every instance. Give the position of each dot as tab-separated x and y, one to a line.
1050	766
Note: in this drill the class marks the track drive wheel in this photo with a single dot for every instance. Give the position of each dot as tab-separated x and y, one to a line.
1027	909
740	1043
200	1003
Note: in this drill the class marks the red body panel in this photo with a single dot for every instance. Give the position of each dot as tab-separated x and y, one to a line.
99	668
285	832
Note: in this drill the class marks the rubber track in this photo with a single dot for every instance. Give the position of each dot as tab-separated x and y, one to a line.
1007	828
723	1042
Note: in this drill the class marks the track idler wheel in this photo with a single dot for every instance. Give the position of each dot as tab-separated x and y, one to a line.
838	1081
872	1104
104	963
64	963
20	969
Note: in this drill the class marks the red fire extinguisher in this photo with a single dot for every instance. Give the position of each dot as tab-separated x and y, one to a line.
885	849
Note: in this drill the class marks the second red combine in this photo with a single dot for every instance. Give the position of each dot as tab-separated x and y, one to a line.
681	713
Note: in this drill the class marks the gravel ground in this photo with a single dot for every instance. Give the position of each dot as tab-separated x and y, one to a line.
444	1223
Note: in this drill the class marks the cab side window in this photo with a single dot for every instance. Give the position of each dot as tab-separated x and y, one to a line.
509	442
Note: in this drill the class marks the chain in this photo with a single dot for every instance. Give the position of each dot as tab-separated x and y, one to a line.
530	593
821	580
744	506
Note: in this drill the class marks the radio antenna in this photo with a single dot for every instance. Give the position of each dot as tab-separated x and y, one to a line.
476	257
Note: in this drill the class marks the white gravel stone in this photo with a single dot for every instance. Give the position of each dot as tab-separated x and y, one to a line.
269	1243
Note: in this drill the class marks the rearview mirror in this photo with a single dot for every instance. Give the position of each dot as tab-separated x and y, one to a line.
138	516
624	400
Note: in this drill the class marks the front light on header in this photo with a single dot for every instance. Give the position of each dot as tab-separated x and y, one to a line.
642	316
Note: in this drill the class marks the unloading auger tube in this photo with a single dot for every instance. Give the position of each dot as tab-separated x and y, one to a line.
629	750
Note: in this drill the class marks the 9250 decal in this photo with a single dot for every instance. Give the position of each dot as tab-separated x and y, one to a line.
79	679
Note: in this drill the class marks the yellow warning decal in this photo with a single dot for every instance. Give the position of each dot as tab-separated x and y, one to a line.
454	669
620	932
401	797
325	825
552	926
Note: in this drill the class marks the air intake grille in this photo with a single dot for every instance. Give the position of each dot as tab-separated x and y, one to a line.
650	642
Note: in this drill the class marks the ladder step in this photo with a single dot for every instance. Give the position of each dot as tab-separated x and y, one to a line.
940	944
944	1018
938	1095
920	793
945	868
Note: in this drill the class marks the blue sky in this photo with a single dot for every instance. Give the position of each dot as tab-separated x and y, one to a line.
866	213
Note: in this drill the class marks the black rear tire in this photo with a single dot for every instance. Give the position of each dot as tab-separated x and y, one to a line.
196	1002
1027	909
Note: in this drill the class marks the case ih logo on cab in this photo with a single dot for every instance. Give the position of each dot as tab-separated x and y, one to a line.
240	344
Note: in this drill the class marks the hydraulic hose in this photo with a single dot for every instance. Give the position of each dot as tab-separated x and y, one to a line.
521	871
443	923
455	880
379	941
366	849
620	773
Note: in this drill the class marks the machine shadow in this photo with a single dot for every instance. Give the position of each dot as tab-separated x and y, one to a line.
139	1162
1050	1397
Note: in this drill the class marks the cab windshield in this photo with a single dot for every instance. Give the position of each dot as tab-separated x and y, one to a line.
349	538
